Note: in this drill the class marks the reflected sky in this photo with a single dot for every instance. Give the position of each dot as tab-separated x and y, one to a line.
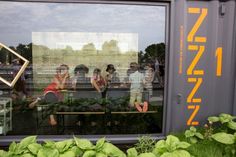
20	19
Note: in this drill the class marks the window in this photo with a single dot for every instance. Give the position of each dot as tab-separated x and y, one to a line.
85	68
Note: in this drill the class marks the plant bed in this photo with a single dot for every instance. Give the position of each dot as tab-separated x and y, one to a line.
215	139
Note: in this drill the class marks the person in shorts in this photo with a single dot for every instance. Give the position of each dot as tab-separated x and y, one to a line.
137	81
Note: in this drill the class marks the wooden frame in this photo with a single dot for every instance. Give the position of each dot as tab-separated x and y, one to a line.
22	69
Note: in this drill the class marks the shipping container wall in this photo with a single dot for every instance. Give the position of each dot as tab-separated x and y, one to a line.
202	62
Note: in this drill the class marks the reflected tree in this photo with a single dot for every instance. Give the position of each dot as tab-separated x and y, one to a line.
89	49
152	52
110	48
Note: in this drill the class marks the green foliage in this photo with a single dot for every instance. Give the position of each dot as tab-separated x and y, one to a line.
147	155
171	147
223	118
132	152
224	138
76	147
218	144
193	135
206	148
145	144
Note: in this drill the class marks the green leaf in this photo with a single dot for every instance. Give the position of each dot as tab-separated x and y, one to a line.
12	147
232	125
183	145
147	155
100	143
224	118
22	146
49	144
76	150
83	143
181	153
189	133
171	139
160	148
27	141
193	129
63	145
160	144
172	142
27	155
224	138
3	153
213	119
193	140
48	152
34	148
89	153
199	135
101	155
68	154
167	154
111	150
177	153
132	152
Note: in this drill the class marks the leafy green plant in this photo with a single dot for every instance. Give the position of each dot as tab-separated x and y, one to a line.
145	144
225	119
76	147
171	147
208	130
206	148
224	138
227	139
193	135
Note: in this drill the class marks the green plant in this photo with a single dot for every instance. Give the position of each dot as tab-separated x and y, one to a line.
206	148
225	119
193	135
228	140
132	152
171	147
208	130
145	144
76	147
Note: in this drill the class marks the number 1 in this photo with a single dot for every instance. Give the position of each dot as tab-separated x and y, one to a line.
218	56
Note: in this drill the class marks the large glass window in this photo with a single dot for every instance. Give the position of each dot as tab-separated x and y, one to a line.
81	68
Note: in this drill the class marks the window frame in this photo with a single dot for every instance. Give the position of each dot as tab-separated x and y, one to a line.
124	138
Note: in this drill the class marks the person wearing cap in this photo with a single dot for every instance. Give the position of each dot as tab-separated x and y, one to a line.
112	77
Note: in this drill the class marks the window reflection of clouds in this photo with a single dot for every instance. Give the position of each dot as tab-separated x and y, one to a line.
19	20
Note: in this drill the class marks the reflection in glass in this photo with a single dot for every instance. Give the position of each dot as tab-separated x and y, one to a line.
94	68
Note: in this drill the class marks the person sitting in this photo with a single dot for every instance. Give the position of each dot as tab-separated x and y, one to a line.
149	77
137	81
112	76
80	72
52	93
99	83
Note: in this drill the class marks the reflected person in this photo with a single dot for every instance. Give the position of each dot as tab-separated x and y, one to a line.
98	82
112	77
52	93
